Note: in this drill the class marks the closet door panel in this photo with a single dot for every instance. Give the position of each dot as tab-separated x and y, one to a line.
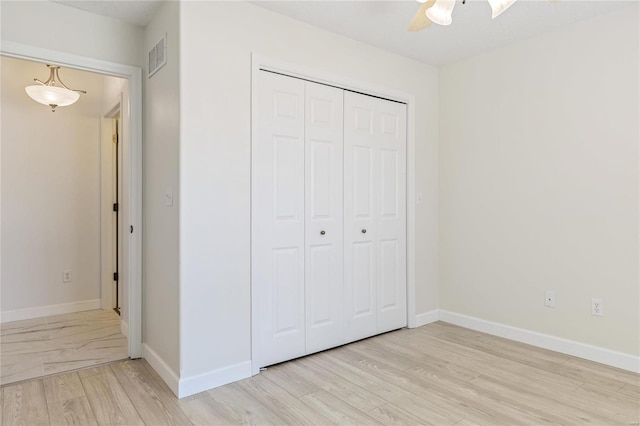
392	243
361	172
277	188
324	217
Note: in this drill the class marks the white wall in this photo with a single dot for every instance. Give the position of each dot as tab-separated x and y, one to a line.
54	26
217	39
161	162
539	183
50	171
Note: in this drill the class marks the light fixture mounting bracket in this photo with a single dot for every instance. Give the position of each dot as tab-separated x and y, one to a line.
54	79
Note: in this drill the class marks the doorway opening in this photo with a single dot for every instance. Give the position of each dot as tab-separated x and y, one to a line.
116	310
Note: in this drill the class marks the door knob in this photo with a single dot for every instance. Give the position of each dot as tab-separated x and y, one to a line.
322	232
364	231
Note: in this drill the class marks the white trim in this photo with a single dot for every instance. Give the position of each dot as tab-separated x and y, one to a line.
570	347
162	368
212	379
259	62
49	310
124	328
426	318
134	75
113	111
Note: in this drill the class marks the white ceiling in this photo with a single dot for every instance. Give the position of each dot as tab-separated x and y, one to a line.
383	23
136	12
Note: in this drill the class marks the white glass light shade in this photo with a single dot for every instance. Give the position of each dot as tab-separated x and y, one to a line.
440	12
499	6
422	1
52	95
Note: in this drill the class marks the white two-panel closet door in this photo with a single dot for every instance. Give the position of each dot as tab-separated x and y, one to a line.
328	217
278	192
324	217
297	219
374	215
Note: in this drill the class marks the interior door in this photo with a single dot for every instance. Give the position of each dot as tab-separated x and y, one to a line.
375	215
390	121
278	220
324	217
361	173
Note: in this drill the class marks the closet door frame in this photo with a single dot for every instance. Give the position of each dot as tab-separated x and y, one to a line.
261	63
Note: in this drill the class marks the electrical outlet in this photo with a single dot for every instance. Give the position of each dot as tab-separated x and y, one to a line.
168	196
66	276
550	299
597	308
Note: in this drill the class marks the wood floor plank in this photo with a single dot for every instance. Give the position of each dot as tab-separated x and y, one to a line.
72	411
356	396
62	387
25	404
389	414
94	371
562	408
632	391
154	401
296	385
277	400
490	364
610	403
336	410
109	402
437	374
603	372
205	411
423	359
453	394
375	385
238	407
419	402
371	350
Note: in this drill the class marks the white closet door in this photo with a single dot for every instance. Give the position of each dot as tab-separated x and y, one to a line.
391	129
375	215
324	217
278	220
361	174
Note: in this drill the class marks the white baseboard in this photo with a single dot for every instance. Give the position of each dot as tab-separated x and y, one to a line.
162	368
49	310
213	379
426	318
570	347
124	328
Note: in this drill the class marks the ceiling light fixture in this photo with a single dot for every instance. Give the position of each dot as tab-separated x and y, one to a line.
53	92
439	12
499	6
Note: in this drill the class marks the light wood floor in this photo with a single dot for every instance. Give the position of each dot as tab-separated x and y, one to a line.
44	346
437	374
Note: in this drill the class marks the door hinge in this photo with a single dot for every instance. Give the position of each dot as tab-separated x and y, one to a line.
115	276
115	138
115	207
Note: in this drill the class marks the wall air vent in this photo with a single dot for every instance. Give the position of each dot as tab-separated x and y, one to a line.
157	56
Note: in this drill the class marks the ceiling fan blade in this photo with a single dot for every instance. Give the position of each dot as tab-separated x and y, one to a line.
420	21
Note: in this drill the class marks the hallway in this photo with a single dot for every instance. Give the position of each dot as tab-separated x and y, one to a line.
44	346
